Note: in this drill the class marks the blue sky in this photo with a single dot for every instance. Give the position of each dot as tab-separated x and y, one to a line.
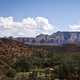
60	13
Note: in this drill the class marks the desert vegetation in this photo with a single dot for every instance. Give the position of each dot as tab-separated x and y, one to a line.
27	62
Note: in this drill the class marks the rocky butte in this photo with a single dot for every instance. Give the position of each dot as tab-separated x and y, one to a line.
58	38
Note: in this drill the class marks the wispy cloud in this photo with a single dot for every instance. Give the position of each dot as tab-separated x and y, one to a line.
26	27
74	27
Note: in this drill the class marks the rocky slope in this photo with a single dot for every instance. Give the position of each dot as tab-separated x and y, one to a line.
10	50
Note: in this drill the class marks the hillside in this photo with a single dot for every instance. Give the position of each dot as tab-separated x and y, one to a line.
14	47
10	50
16	58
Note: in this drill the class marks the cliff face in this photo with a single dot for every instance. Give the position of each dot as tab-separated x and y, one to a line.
67	37
57	38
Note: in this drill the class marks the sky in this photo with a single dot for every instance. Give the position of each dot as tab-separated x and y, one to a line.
32	17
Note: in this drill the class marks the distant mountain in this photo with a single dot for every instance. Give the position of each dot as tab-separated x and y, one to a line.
58	38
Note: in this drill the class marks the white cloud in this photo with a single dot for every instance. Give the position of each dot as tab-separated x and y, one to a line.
29	23
26	27
6	22
44	24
